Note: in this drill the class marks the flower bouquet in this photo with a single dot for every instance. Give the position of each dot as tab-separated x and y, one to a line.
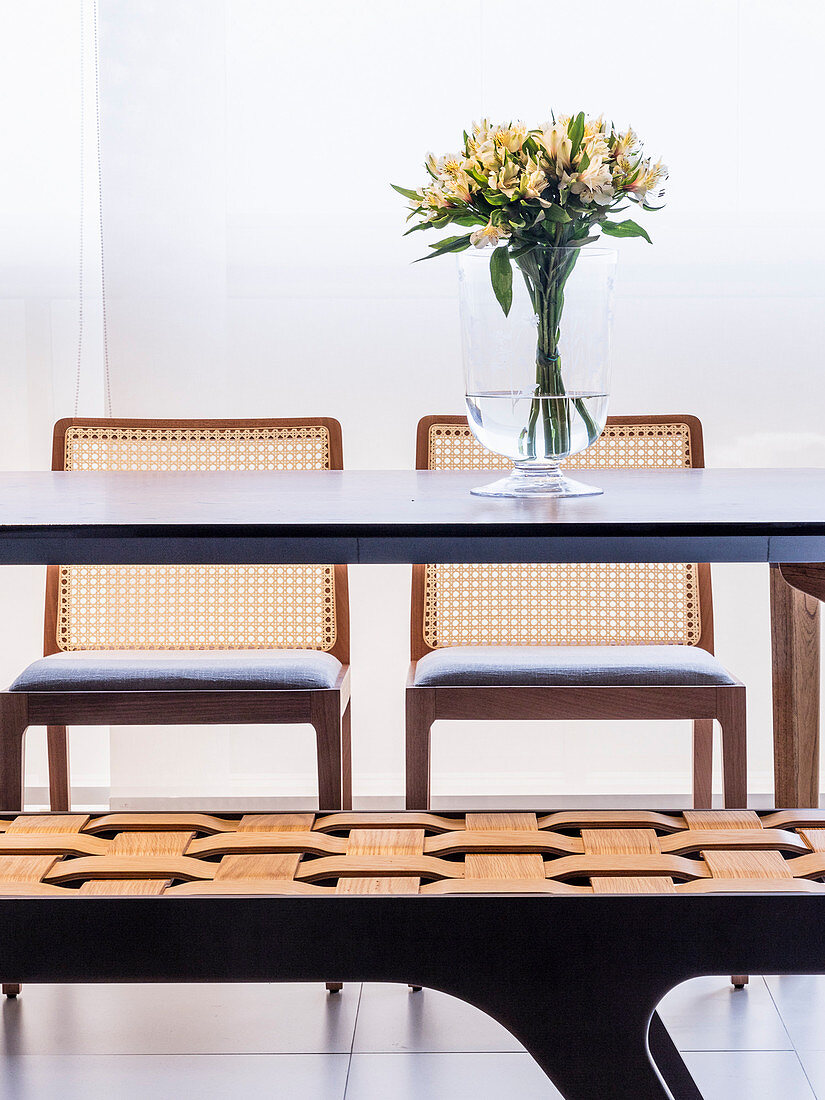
534	198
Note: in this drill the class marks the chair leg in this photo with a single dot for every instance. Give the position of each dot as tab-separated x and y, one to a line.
326	718
346	759
702	763
59	786
732	718
420	717
730	712
13	723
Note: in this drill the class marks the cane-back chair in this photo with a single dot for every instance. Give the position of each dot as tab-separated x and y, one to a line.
192	644
594	641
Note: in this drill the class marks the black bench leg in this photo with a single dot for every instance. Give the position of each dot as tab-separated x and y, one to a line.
592	1040
670	1063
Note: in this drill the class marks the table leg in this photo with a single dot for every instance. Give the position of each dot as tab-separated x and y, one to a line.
795	644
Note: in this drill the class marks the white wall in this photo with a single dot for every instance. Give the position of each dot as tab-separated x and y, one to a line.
255	265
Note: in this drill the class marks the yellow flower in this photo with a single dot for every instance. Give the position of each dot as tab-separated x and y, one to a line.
490	234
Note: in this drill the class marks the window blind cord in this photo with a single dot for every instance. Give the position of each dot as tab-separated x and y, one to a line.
81	249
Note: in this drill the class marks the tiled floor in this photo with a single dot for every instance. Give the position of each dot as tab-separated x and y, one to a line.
370	1042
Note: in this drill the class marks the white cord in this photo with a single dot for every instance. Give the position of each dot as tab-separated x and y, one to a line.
106	376
82	205
81	283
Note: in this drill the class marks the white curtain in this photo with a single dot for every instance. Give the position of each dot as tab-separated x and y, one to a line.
255	266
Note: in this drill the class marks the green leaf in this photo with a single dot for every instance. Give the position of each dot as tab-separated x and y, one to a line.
449	244
416	228
495	198
405	192
584	162
446	241
625	229
555	213
581	242
575	131
501	276
469	219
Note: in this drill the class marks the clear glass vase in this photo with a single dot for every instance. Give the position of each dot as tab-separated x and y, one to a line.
537	381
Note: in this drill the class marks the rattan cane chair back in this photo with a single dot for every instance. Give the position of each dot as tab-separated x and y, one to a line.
541	604
197	607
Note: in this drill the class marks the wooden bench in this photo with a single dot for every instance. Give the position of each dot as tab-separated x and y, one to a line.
567	927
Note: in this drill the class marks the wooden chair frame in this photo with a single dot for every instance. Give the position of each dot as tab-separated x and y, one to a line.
702	704
327	709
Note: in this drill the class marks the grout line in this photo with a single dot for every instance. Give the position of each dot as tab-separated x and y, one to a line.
781	1017
352	1044
790	1039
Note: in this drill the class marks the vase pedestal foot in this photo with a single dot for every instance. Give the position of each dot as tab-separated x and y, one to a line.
537	484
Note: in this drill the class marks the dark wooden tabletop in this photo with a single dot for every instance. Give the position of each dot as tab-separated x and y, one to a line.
403	516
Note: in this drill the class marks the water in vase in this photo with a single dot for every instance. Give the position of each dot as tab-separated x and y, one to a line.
521	426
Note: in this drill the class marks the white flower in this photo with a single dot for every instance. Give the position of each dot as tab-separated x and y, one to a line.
510	137
555	139
625	144
490	234
458	186
649	175
507	180
434	198
593	184
533	181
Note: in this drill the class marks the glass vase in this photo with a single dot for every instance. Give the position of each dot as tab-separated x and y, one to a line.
537	381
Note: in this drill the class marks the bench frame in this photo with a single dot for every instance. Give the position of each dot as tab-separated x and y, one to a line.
575	979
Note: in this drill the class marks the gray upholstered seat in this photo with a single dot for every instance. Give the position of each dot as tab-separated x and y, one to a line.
177	670
463	666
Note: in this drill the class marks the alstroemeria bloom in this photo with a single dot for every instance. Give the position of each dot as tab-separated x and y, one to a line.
625	144
557	143
511	137
533	181
458	187
507	180
490	234
594	184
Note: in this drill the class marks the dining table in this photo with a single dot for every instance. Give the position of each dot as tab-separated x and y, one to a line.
774	516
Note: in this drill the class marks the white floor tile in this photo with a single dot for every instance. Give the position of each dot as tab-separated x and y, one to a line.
178	1019
391	1018
448	1077
749	1075
800	1000
170	1077
813	1062
709	1014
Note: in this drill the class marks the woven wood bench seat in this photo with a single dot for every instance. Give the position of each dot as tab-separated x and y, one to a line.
598	852
568	927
